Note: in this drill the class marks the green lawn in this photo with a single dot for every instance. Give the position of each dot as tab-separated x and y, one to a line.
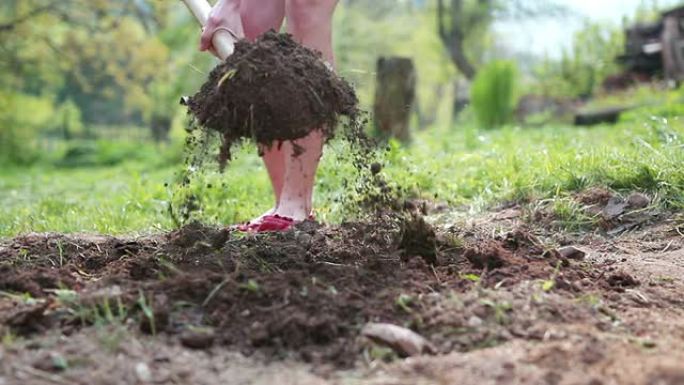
455	164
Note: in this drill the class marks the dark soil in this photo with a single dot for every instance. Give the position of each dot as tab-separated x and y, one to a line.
271	91
304	293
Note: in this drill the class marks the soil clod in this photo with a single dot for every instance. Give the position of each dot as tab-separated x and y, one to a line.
419	239
272	90
622	280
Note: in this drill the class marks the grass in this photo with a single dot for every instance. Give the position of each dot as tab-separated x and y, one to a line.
458	164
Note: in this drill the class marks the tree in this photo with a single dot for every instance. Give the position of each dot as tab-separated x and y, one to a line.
454	25
102	55
465	19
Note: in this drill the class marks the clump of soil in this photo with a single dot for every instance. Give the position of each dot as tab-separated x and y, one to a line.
488	256
272	90
419	238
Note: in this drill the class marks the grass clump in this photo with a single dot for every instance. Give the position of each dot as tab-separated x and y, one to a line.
493	94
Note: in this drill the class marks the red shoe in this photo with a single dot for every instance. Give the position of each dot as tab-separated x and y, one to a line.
267	223
271	223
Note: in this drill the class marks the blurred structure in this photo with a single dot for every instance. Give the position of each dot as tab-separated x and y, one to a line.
653	49
395	93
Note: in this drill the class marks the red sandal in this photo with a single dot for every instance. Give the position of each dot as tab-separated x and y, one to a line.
271	223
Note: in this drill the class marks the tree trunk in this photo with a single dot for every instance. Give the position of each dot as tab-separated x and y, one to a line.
461	97
452	26
673	48
395	91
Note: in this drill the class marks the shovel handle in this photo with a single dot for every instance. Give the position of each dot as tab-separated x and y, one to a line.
223	41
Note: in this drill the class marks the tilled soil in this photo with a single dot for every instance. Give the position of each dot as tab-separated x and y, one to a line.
503	306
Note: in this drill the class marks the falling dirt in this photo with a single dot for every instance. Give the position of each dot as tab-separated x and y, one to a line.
272	90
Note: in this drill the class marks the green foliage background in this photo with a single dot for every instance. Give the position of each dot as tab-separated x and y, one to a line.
493	93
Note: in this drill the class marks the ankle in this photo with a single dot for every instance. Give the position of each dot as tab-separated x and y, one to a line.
298	212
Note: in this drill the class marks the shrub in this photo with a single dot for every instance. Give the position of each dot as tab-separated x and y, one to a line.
492	94
21	118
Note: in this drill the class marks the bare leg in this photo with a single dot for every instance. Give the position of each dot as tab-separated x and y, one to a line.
257	19
310	22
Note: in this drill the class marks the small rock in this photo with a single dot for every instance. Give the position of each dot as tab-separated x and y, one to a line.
614	208
475	321
142	371
638	201
52	362
198	338
571	252
303	238
403	341
375	168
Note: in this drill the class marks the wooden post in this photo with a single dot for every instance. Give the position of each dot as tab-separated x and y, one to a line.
395	91
673	45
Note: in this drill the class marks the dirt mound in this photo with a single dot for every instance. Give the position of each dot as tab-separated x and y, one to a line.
270	91
304	293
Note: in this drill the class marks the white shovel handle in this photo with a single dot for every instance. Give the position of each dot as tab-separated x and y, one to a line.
223	41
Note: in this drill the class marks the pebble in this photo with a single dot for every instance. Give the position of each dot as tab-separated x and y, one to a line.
198	338
571	252
638	201
475	321
403	341
304	239
142	371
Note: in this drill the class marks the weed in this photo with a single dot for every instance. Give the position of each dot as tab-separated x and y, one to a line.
9	339
99	314
24	298
593	300
404	302
60	250
500	309
253	286
570	216
148	312
471	277
550	283
215	290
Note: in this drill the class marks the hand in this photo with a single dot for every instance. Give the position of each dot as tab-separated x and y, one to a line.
224	15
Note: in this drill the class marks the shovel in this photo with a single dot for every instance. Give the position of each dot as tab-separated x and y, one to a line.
223	41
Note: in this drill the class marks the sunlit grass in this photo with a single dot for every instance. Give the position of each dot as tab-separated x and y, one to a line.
468	169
